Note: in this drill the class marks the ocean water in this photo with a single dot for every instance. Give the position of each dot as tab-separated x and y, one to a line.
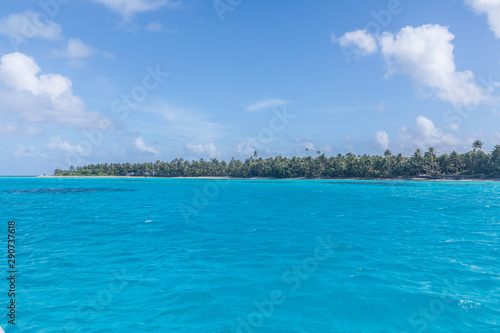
181	255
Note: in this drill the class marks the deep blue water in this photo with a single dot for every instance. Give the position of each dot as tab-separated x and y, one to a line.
180	255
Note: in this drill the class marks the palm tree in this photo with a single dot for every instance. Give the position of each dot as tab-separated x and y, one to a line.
495	159
417	162
388	155
495	154
399	163
477	145
455	159
431	156
307	151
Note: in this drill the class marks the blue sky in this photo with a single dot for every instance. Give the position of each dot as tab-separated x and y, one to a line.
96	81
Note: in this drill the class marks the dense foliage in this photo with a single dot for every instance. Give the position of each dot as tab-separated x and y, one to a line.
421	164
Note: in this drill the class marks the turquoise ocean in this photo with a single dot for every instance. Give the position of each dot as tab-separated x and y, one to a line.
294	256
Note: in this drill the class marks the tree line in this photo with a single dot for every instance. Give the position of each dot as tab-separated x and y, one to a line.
428	164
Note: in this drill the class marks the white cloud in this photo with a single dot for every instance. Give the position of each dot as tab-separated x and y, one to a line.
29	24
75	49
208	149
326	149
426	54
56	142
310	146
267	103
158	27
425	134
30	152
454	126
492	10
421	135
301	144
246	148
305	148
154	27
360	41
19	130
38	98
128	8
141	145
382	139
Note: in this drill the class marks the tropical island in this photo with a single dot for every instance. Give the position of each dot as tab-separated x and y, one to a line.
427	165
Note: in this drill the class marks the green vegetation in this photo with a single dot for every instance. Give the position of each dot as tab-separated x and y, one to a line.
429	164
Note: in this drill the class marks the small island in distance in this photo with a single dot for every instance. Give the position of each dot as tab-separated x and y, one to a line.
474	164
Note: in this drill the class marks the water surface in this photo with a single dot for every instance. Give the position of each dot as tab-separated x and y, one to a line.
185	255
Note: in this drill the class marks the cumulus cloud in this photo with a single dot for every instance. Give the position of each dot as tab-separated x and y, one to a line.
35	98
246	148
75	49
208	149
28	25
56	142
426	55
267	103
326	149
303	146
141	145
491	8
128	8
382	139
425	134
360	41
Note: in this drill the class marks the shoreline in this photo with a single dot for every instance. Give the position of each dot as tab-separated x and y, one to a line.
302	178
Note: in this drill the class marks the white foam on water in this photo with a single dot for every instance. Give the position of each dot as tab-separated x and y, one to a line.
468	305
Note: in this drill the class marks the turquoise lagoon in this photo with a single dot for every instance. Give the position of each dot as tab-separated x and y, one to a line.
201	255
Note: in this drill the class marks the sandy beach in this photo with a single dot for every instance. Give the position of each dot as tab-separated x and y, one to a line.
302	178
